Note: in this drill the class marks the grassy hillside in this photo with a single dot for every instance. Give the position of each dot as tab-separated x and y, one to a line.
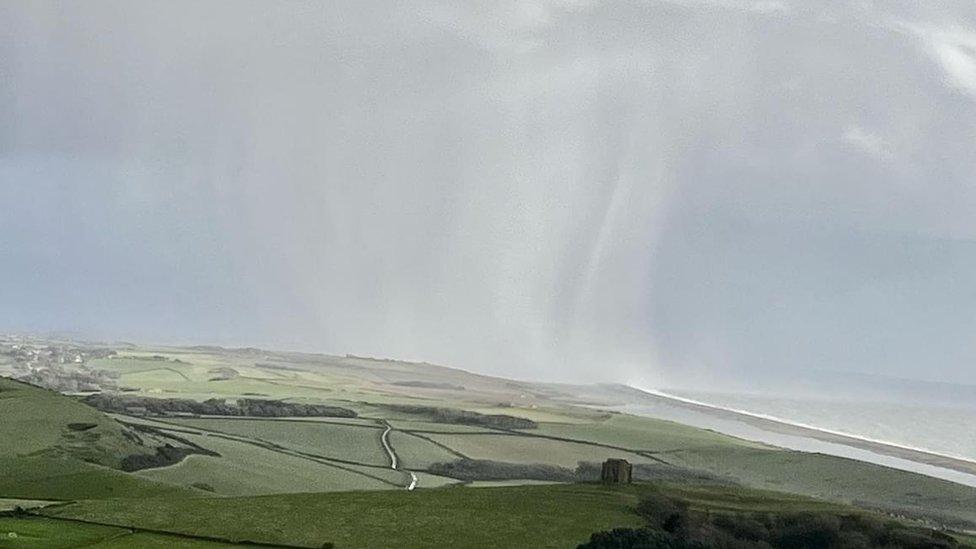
419	407
43	533
57	448
557	516
520	516
66	479
38	422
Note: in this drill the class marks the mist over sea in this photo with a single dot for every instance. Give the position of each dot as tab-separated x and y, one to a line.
944	429
898	413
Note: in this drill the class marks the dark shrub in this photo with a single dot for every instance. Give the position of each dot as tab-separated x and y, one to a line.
249	407
806	530
483	469
465	417
671	523
630	538
668	514
742	527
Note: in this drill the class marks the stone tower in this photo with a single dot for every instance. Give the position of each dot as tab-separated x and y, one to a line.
616	471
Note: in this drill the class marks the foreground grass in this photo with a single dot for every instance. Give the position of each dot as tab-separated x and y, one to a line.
516	516
42	533
523	516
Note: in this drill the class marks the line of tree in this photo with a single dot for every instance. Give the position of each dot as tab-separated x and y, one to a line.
245	407
464	417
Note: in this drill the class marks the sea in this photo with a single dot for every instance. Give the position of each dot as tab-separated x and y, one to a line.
945	426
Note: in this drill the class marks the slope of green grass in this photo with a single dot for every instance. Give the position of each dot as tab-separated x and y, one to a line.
43	533
42	478
53	447
37	422
537	516
513	516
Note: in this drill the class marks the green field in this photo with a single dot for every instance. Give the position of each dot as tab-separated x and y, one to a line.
512	516
349	442
449	517
641	434
245	469
417	453
43	533
312	480
527	449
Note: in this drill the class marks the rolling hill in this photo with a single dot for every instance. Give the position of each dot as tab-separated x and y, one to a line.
377	441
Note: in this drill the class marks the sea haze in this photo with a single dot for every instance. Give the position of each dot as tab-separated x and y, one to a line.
941	429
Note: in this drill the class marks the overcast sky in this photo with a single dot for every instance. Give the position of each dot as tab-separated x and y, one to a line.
648	191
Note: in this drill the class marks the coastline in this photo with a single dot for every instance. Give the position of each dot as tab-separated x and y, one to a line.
775	431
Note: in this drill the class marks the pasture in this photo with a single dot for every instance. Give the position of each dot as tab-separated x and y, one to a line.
508	516
44	533
329	479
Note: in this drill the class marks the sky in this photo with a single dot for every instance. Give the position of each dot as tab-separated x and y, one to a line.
682	192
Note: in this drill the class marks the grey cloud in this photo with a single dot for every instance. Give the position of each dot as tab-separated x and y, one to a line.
663	191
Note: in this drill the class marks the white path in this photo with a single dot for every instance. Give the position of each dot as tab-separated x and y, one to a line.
394	463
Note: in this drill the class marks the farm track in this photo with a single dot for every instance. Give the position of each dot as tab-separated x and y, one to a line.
385	440
394	461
